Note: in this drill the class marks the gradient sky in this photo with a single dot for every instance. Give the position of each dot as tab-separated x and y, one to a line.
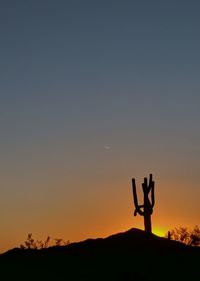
93	93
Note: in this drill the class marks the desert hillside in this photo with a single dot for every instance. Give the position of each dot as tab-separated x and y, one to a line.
131	255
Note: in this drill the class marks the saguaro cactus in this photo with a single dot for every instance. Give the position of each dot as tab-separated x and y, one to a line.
146	209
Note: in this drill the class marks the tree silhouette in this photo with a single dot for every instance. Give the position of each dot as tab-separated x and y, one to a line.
147	205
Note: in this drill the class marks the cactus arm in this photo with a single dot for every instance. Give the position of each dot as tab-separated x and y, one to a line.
144	188
150	182
145	185
152	195
141	213
134	194
137	207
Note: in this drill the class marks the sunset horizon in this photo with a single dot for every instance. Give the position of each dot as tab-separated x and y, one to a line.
94	94
159	227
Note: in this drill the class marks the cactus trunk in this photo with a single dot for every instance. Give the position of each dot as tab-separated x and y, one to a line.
147	223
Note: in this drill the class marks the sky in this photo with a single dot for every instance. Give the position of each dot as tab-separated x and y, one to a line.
93	93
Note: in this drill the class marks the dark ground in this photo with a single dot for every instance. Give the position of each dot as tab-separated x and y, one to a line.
132	255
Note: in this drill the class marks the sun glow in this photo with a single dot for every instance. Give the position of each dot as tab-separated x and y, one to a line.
159	231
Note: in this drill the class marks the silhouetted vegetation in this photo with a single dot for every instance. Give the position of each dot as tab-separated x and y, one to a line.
147	206
184	235
31	243
131	255
61	242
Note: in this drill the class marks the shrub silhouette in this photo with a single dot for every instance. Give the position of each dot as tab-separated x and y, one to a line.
31	243
182	234
195	236
61	242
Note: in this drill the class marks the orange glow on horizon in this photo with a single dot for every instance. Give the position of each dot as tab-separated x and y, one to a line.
159	231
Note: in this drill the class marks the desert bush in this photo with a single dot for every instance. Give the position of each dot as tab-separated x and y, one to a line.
61	242
184	235
31	243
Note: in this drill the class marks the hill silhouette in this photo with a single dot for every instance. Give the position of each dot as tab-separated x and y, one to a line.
131	255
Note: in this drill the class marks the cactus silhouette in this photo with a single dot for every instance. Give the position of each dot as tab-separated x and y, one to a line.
147	187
